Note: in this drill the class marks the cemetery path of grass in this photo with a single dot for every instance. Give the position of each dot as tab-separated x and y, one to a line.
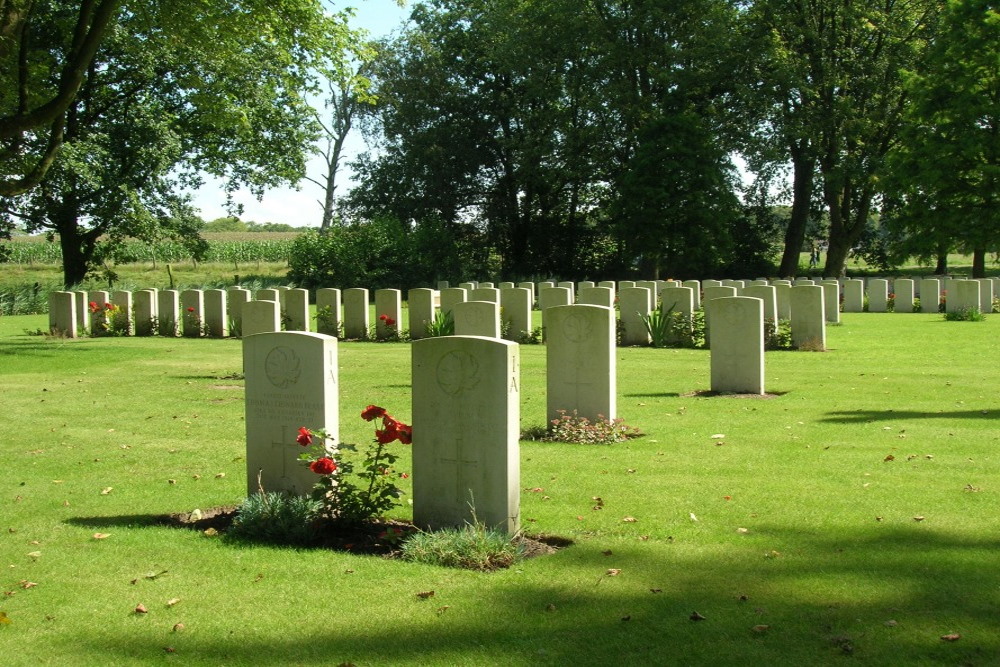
789	523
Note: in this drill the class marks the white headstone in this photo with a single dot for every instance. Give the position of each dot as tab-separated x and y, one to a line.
466	426
420	303
737	344
168	313
122	301
291	382
831	300
930	295
529	286
236	298
580	362
696	286
967	294
261	317
515	309
768	294
854	295
808	322
389	313
295	303
633	304
192	312
356	315
82	310
329	314
451	296
903	289
597	296
878	295
985	295
216	318
144	309
485	294
62	314
97	306
477	318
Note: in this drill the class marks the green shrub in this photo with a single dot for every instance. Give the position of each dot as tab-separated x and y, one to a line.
971	314
576	429
442	325
471	547
657	324
276	518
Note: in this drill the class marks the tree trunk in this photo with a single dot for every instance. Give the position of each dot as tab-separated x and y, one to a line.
979	262
942	261
77	245
795	234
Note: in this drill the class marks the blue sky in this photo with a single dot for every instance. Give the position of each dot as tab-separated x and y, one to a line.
301	207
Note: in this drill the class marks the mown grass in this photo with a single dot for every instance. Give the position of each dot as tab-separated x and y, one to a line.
781	512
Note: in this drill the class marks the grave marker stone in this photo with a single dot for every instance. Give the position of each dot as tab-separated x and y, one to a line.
831	300
477	318
144	308
295	304
261	317
291	381
485	294
854	295
62	314
768	294
356	315
216	320
633	304
192	312
580	362
168	313
122	301
451	296
737	344
878	296
597	296
420	301
515	309
808	321
236	298
388	302
930	295
466	426
903	288
329	314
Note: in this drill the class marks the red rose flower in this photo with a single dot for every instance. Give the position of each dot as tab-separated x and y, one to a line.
405	433
305	437
323	466
93	307
372	412
389	322
109	306
190	309
386	436
404	475
383	317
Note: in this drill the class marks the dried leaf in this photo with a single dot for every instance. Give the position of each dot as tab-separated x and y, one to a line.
4	619
742	531
760	629
889	457
178	627
210	532
890	624
35	554
607	552
25	584
101	536
695	616
613	572
536	489
629	519
172	601
655	590
550	607
716	436
441	610
220	475
952	637
425	595
141	609
106	490
918	518
627	618
693	517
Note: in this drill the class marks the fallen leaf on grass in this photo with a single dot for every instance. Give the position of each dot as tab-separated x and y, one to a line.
655	590
627	618
178	627
613	572
537	489
890	624
101	536
550	607
889	457
172	601
695	616
693	517
608	552
951	638
425	595
210	532
35	555
918	518
742	531
220	475
141	609
441	610
716	436
629	519
106	490
760	629
25	584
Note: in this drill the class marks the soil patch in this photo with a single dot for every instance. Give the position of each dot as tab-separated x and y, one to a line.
376	538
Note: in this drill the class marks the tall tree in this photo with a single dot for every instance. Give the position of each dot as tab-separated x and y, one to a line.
177	89
39	79
842	97
945	170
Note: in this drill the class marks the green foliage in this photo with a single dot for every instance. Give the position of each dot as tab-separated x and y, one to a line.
471	547
580	430
276	518
443	324
658	325
24	299
777	337
688	330
534	337
970	314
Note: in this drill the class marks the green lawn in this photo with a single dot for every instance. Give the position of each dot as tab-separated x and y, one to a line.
801	516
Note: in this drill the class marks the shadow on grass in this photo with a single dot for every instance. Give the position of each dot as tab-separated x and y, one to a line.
16	348
864	416
882	595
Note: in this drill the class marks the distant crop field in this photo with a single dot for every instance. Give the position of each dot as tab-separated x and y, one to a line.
229	247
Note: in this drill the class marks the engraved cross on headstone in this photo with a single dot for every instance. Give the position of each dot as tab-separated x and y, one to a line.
460	463
282	445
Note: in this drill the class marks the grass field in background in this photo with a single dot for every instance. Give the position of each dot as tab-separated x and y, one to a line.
852	515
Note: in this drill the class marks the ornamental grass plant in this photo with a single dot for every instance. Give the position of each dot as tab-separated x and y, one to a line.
849	515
